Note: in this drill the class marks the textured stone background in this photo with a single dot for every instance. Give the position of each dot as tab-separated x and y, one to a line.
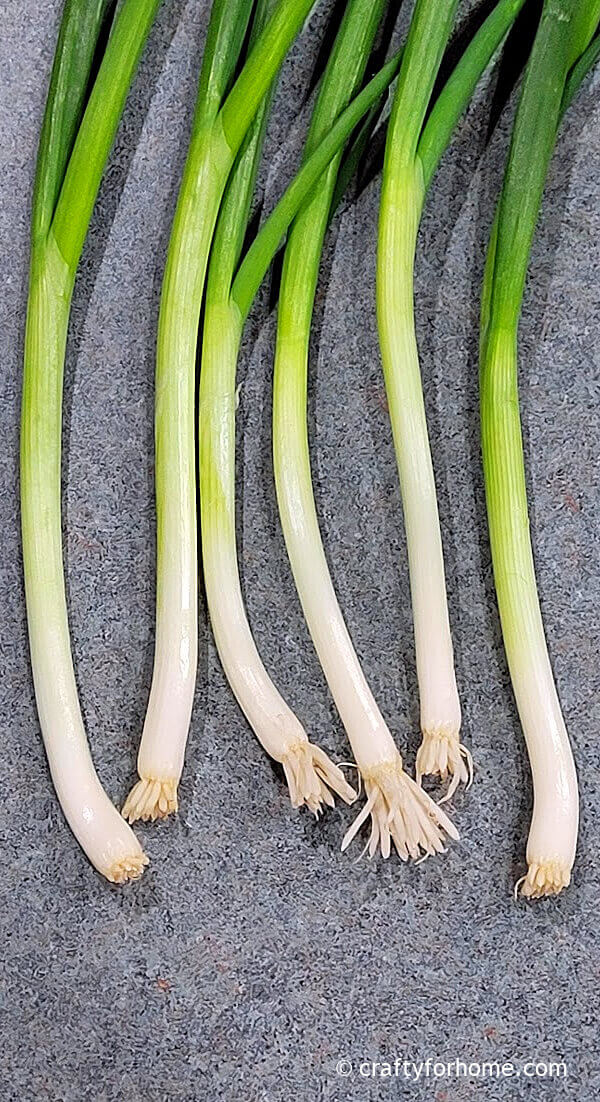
252	955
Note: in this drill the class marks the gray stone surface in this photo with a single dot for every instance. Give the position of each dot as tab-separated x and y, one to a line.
253	955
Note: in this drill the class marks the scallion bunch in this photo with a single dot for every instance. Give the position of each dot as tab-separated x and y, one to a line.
211	280
399	811
221	121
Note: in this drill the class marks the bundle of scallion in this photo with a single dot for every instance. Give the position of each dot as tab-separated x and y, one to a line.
308	770
80	122
562	54
229	298
221	122
91	75
160	760
398	808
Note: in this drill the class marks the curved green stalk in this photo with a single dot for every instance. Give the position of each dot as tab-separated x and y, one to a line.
577	76
217	133
79	32
461	84
563	36
351	160
579	72
402	197
60	223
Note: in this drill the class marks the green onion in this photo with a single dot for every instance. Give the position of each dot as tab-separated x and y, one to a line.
77	134
310	774
413	151
565	30
307	769
403	193
218	130
398	808
390	792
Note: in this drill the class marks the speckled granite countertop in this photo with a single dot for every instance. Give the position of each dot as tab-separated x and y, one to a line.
253	956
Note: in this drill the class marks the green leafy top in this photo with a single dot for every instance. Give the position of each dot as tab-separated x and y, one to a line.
564	34
82	115
235	209
81	30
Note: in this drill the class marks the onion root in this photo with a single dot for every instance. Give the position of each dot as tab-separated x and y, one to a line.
151	799
402	813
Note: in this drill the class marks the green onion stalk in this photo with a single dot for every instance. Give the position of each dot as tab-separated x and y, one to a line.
398	808
77	134
311	776
308	769
402	199
413	151
561	56
221	122
372	742
309	772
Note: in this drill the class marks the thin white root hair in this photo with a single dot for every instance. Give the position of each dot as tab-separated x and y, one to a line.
311	776
352	765
402	813
150	799
442	754
127	868
543	878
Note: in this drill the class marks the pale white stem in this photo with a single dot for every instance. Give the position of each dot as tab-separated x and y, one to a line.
552	837
106	839
553	833
398	808
367	730
109	843
167	722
